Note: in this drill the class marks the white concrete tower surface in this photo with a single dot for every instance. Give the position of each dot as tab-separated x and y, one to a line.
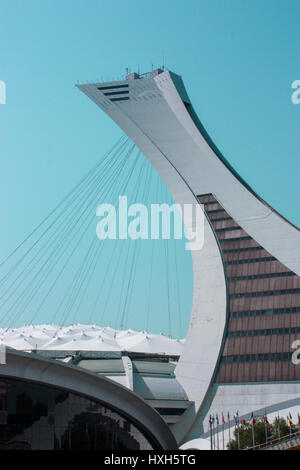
246	273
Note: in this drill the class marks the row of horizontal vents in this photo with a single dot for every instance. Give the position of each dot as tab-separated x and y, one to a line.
264	306
115	92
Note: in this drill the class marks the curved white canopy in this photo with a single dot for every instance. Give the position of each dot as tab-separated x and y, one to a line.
88	338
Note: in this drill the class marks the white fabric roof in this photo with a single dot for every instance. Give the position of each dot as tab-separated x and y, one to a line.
88	338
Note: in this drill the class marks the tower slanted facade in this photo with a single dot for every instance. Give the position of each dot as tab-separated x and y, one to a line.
246	304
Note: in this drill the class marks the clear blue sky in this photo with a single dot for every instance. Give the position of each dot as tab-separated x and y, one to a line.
238	59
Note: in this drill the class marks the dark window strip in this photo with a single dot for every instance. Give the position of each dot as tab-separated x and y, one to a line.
117	93
261	276
240	250
281	356
111	87
262	312
265	332
221	219
215	211
251	260
264	293
209	203
120	99
237	239
210	195
228	229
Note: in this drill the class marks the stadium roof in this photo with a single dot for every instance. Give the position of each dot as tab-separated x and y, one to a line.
79	337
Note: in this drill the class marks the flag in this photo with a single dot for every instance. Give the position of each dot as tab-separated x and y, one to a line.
210	420
223	419
291	419
288	420
266	419
217	418
252	418
236	418
228	418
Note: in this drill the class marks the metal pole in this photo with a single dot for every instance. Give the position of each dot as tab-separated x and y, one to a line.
266	429
210	427
253	437
238	433
223	434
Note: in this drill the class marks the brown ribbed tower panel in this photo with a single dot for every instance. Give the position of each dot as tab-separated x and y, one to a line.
264	306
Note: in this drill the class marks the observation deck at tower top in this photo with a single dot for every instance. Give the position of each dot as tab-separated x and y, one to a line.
152	74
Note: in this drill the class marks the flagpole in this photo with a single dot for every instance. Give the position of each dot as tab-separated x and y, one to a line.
252	422
228	419
223	436
223	431
238	429
266	432
214	435
278	426
238	426
210	427
290	423
266	428
217	428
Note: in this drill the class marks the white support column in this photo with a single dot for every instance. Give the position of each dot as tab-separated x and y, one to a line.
128	371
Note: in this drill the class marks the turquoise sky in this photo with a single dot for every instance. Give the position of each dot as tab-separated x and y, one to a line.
238	59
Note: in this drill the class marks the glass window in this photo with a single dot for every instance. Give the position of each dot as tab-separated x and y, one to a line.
39	417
